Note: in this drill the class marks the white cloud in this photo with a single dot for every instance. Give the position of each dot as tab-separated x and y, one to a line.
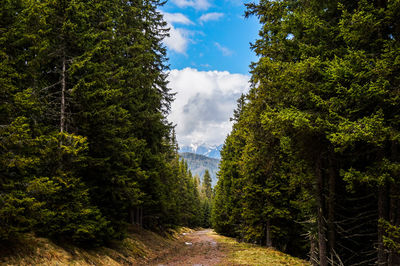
196	4
177	40
177	18
210	16
204	103
225	51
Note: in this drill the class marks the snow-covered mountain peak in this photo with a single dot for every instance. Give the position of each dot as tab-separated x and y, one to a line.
194	147
212	151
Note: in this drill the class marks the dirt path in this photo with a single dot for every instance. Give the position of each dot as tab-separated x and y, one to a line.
197	248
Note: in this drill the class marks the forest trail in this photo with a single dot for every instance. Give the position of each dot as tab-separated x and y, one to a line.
205	247
196	248
183	247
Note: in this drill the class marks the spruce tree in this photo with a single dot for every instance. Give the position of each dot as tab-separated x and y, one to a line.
317	131
85	144
207	184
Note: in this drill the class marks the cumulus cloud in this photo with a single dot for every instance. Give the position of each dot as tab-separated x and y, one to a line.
225	51
210	16
178	39
196	4
204	103
177	18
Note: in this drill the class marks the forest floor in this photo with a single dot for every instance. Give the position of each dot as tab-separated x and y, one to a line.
205	247
141	247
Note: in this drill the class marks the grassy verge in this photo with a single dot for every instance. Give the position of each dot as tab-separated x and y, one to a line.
139	247
249	254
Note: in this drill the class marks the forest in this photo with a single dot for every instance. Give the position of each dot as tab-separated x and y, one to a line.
85	145
199	164
312	164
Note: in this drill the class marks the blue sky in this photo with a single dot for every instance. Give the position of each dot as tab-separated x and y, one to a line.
215	34
209	56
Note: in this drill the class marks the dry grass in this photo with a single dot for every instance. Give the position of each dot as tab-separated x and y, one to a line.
140	246
249	254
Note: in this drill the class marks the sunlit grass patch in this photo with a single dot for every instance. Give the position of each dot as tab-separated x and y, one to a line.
249	254
137	248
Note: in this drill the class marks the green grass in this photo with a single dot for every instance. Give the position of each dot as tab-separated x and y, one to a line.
249	254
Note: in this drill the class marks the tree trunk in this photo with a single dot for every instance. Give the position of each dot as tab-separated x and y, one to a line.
382	258
394	207
394	219
268	240
396	256
137	216
132	214
320	218
141	217
331	209
63	89
313	251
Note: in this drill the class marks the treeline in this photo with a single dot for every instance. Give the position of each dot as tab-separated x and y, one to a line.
85	147
192	197
206	193
312	165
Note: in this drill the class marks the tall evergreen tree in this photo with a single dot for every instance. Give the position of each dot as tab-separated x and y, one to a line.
320	118
85	144
207	184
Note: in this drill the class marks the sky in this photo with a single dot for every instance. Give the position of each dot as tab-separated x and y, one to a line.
209	55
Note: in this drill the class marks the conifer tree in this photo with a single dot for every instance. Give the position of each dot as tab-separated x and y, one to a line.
317	130
207	184
227	211
85	144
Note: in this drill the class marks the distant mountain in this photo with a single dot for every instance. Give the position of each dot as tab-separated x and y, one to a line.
212	151
199	163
